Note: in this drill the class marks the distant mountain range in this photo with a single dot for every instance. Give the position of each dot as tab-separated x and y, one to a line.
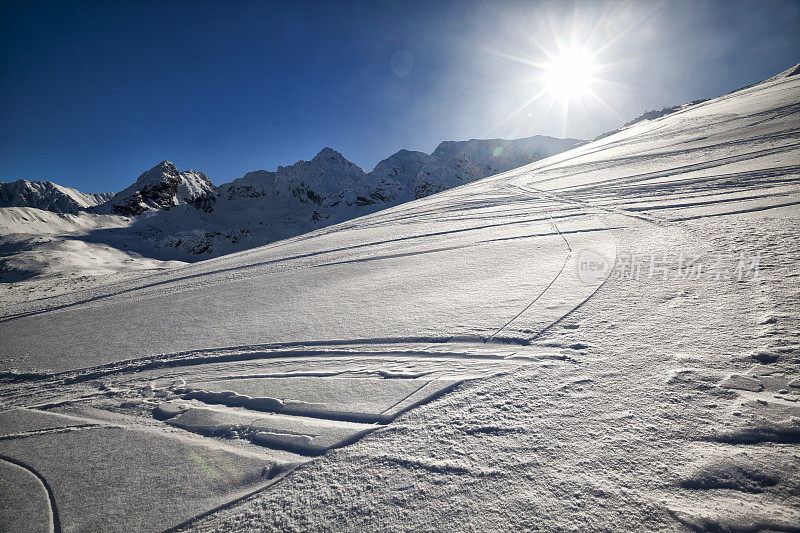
48	196
182	215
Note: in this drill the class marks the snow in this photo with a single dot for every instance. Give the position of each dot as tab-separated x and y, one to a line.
168	215
161	187
353	399
48	195
456	163
264	206
46	253
23	492
605	338
21	421
307	436
194	184
33	221
142	499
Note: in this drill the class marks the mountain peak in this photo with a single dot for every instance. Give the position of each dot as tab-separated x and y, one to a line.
166	165
329	161
329	153
161	187
163	172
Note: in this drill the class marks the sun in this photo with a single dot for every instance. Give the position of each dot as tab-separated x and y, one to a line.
569	75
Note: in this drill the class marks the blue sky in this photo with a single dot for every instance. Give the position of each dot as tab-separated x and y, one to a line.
94	93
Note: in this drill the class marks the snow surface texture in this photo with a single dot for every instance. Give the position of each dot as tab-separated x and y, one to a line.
558	352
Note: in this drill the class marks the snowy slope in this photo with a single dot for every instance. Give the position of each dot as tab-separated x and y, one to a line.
48	196
477	226
606	337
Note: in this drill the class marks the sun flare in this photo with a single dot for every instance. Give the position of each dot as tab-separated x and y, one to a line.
569	75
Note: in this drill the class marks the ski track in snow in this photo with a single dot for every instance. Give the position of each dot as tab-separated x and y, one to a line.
443	362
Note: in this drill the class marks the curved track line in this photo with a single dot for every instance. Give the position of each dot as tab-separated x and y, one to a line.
56	521
490	337
563	266
585	204
241	499
617	211
582	302
565	315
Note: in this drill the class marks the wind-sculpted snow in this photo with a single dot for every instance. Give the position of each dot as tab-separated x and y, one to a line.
365	400
604	338
219	436
141	499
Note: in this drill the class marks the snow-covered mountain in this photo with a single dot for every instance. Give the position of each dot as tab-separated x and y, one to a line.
265	206
455	163
391	177
160	188
309	189
329	179
48	196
